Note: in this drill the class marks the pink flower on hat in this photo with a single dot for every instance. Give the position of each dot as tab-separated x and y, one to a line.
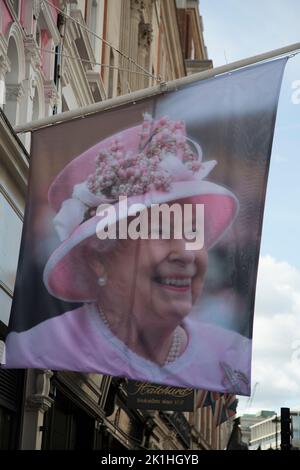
161	156
122	173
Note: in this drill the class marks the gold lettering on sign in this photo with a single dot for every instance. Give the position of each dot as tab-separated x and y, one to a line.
144	388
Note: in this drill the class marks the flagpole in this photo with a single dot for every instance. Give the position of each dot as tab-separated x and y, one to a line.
156	90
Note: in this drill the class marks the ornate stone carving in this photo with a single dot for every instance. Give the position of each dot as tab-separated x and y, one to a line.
145	34
36	8
32	54
51	94
137	7
4	65
40	399
14	92
137	4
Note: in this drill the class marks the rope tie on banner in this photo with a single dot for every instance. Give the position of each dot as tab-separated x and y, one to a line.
294	53
163	86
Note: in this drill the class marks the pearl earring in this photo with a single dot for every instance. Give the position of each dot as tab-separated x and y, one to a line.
101	281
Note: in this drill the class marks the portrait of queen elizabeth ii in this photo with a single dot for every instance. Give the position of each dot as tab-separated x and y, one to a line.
135	295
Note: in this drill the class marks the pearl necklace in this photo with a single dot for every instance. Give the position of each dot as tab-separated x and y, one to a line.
174	351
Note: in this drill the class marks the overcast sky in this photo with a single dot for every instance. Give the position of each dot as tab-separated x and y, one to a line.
233	30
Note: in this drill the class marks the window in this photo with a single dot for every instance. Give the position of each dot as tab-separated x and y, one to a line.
94	21
38	36
11	389
10	236
111	74
68	427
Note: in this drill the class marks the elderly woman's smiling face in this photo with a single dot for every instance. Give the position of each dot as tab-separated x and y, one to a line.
156	278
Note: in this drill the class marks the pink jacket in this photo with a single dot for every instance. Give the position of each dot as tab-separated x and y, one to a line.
215	359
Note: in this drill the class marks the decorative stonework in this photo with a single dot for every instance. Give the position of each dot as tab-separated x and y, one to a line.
40	400
16	34
32	54
137	7
51	94
14	92
145	34
4	65
169	440
36	8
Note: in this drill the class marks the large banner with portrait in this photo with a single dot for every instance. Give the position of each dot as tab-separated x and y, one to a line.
141	236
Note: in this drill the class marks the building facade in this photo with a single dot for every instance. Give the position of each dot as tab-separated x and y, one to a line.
295	428
249	420
266	434
51	62
269	434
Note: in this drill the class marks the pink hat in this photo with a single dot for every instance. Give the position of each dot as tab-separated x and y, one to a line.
151	163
